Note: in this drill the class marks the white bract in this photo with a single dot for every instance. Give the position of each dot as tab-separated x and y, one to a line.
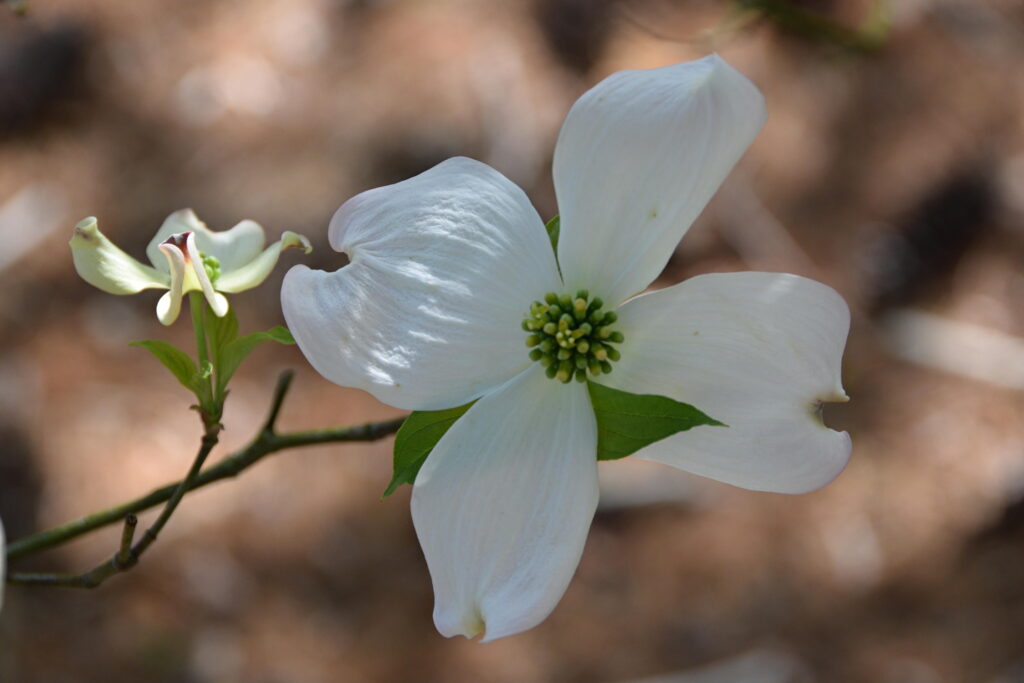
449	267
3	562
186	256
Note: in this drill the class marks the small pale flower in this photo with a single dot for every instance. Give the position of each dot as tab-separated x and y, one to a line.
453	294
186	256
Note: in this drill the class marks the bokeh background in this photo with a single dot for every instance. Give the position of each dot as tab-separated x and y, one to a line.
891	168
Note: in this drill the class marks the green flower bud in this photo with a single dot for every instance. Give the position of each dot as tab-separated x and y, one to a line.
565	371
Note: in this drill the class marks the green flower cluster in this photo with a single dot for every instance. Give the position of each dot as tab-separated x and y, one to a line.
571	336
212	266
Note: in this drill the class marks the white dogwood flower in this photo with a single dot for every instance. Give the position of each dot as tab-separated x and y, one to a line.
186	256
452	270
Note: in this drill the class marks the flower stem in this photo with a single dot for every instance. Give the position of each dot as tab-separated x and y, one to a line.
211	406
196	302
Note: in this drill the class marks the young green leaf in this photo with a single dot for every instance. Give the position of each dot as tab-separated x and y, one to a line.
220	331
416	438
554	227
231	355
281	334
174	359
627	422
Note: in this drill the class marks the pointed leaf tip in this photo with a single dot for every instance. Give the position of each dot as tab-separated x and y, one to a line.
174	359
554	227
231	354
627	422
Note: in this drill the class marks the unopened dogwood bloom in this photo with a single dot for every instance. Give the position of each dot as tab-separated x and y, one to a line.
453	294
186	256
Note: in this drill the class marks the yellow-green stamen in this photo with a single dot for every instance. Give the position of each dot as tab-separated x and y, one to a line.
570	336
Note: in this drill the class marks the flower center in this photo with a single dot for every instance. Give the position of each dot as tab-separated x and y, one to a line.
571	336
212	266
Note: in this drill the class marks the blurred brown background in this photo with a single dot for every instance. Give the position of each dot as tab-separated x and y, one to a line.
894	174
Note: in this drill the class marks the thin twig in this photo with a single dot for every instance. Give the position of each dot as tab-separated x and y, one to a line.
125	559
265	443
127	534
283	382
209	442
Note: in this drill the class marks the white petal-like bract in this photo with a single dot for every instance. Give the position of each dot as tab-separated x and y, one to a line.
234	247
256	271
217	302
187	274
3	563
638	158
503	504
169	305
102	264
427	314
758	351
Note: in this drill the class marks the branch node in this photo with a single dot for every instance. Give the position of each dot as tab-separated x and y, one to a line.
124	559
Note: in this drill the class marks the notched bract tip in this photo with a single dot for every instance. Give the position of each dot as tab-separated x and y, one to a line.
86	228
293	240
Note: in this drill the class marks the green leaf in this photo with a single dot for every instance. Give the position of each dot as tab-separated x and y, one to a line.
416	438
174	359
220	331
231	355
281	334
554	227
627	422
